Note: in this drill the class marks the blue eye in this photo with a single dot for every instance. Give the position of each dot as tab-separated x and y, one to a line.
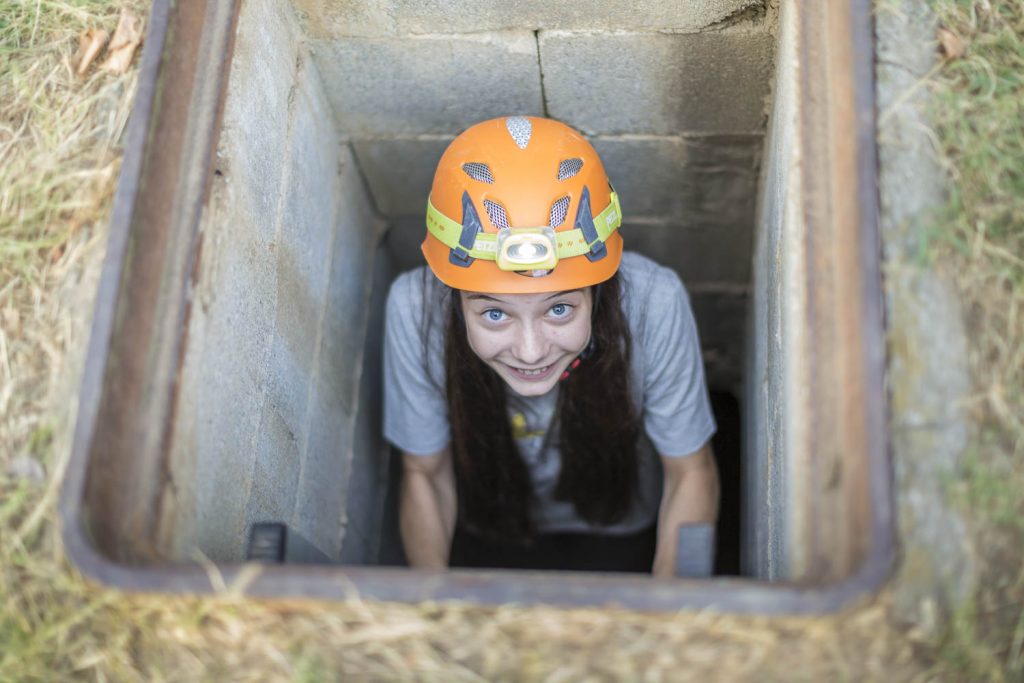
494	315
561	310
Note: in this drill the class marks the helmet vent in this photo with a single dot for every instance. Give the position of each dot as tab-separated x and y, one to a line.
520	128
568	168
477	171
496	212
558	212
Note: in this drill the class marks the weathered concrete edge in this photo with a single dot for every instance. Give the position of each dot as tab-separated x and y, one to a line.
927	372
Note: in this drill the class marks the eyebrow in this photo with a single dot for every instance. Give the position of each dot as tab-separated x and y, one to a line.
563	293
488	297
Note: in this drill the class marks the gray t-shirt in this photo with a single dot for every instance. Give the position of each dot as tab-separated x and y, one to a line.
667	380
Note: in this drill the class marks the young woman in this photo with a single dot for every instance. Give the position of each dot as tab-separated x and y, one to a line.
546	389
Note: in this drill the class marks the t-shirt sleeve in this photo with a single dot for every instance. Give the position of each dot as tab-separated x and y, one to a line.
415	410
677	410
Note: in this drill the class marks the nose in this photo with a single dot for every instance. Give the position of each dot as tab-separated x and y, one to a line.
531	346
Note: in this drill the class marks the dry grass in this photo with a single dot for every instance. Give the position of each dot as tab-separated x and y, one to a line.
58	161
59	141
979	119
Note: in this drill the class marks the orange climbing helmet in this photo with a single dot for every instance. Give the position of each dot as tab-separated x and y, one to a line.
522	204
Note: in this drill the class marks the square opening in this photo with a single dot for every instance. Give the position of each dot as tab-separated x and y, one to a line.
268	200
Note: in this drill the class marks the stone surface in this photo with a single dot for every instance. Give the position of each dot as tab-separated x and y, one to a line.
275	475
256	111
301	253
312	191
227	361
325	19
928	376
710	180
432	84
368	484
906	52
324	485
400	172
276	337
699	252
714	82
403	241
721	317
359	231
225	370
929	387
648	174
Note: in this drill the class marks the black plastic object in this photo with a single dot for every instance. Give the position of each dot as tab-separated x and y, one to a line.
274	542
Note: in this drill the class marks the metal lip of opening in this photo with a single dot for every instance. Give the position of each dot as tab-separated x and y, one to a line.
330	582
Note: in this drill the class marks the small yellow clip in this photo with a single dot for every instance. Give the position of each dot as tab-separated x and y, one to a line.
519	430
518	426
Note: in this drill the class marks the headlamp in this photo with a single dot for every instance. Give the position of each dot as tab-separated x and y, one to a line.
527	249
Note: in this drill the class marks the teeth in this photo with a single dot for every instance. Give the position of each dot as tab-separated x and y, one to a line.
531	373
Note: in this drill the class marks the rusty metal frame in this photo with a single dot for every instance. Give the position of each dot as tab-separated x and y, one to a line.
126	401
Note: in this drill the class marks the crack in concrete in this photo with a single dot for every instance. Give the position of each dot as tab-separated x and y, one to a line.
912	71
751	13
364	180
540	69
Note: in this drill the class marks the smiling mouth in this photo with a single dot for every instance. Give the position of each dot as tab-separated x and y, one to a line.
531	374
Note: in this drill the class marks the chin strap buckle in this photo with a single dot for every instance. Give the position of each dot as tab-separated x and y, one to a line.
585	223
459	254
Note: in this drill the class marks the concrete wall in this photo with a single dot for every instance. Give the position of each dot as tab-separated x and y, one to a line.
335	117
673	96
269	393
928	340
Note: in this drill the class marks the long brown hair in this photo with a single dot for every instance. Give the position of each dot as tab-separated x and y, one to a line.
598	427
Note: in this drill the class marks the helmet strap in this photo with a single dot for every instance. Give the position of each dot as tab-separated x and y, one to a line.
585	354
591	346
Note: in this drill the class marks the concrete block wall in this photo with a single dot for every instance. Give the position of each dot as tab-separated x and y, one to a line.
269	389
673	95
327	19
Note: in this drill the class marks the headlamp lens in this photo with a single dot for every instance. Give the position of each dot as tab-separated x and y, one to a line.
527	249
527	252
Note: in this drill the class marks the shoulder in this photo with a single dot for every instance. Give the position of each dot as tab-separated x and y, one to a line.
408	287
416	288
415	297
646	283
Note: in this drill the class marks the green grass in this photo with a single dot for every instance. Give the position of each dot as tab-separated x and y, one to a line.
993	491
979	118
59	158
963	651
55	152
978	114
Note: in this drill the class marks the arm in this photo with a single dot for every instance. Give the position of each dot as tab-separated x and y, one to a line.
428	503
690	495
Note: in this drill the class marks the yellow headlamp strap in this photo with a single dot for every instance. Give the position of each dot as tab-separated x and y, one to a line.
569	242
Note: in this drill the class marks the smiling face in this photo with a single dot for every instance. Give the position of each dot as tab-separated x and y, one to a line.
528	339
